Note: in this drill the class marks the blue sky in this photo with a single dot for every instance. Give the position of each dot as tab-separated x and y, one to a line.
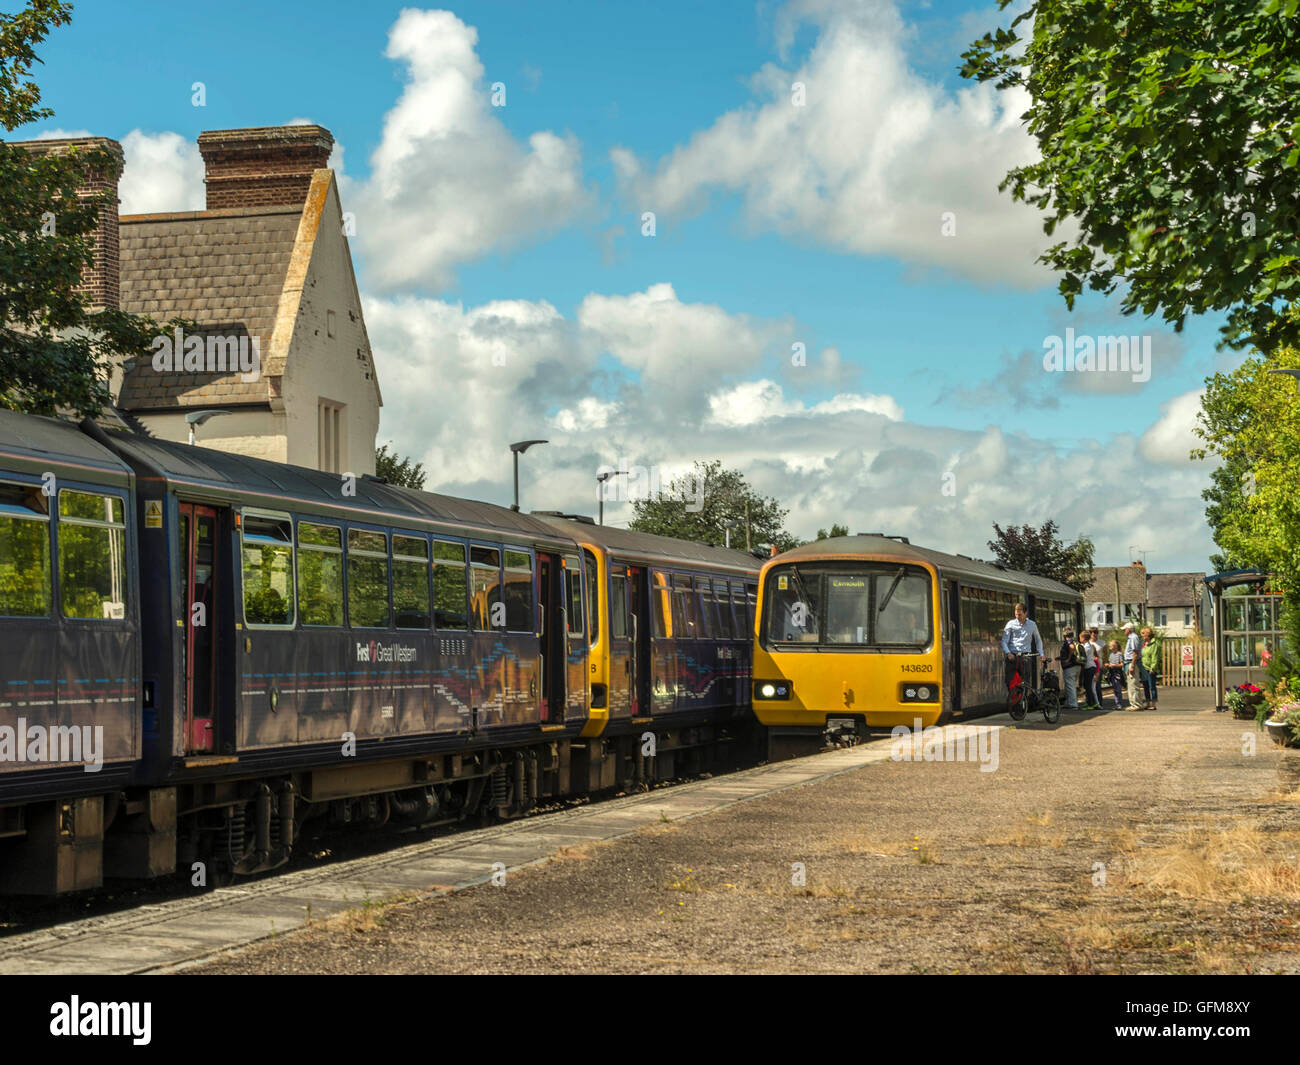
767	230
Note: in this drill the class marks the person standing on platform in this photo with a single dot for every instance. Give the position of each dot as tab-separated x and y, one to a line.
1132	665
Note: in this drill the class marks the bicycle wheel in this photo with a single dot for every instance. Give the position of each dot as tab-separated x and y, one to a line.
1051	704
1018	707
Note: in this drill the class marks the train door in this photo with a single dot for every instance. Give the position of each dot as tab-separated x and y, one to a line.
639	611
198	534
622	695
552	638
952	644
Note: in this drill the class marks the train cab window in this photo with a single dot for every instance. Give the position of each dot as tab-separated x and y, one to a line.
410	582
92	556
267	546
902	607
320	574
485	588
573	595
367	579
618	606
722	605
25	589
520	616
660	605
794	606
593	598
449	611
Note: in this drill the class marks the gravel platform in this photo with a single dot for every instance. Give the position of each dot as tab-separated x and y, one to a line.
1113	842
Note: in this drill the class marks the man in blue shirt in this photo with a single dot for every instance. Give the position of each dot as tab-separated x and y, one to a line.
1132	660
1021	636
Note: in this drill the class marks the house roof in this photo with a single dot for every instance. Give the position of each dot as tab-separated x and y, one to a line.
1175	589
224	269
1132	585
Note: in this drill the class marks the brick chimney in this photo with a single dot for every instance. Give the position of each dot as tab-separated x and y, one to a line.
102	281
270	166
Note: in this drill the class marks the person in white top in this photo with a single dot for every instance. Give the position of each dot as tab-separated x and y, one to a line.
1132	660
1020	636
1088	660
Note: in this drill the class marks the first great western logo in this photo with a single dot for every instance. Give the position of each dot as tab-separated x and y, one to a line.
374	651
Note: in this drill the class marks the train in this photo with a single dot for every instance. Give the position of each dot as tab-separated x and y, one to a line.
872	631
207	657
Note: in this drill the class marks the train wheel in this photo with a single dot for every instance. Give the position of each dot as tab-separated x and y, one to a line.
1051	707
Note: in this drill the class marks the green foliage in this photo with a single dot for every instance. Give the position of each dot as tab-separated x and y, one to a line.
1168	136
724	496
55	351
396	470
1042	552
836	530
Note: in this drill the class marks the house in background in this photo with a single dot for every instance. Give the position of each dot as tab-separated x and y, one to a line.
1117	594
1179	603
266	266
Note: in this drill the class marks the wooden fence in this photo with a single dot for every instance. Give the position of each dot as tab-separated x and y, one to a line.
1187	662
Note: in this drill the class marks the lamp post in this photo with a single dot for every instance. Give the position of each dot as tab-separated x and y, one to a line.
730	524
601	478
198	417
516	448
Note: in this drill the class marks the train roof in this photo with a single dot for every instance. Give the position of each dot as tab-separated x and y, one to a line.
53	441
958	565
652	548
246	479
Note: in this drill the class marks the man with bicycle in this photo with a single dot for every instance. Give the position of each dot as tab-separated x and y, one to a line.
1021	637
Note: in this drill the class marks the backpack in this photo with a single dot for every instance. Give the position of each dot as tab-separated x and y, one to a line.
1069	655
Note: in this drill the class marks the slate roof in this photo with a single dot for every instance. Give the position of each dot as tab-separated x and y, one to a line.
1175	589
223	269
1132	585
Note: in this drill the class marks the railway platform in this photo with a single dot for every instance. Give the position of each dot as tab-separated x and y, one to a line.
1161	841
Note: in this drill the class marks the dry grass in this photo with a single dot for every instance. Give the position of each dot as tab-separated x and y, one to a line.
864	844
1023	837
1225	865
1042	820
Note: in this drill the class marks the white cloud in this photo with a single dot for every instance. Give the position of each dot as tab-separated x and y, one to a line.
601	388
163	172
1170	439
873	160
448	182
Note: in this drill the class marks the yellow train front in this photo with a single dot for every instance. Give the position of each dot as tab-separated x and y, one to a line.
862	632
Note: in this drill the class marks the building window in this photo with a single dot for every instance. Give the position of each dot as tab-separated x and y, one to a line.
1187	617
1133	611
1102	614
329	437
1162	618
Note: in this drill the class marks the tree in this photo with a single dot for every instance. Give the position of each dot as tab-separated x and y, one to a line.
836	530
55	351
396	470
1170	134
697	505
1042	552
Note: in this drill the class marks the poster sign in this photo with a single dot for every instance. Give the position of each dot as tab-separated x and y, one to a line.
1187	658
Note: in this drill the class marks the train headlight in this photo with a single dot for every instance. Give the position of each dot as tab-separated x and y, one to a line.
772	689
918	693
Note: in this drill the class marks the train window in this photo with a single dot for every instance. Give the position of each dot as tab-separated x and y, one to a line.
902	608
751	605
267	544
320	574
24	552
92	556
618	606
660	605
708	608
367	579
593	599
743	631
449	586
723	606
573	594
519	592
485	588
686	610
410	582
848	608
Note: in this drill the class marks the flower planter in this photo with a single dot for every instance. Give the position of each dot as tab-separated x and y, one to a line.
1281	733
